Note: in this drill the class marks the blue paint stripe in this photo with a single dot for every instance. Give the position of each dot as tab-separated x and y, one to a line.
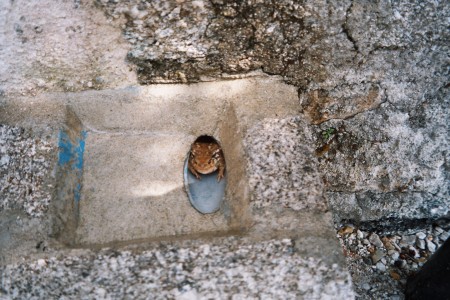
65	148
71	154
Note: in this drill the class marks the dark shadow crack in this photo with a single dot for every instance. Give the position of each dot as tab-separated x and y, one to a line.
347	31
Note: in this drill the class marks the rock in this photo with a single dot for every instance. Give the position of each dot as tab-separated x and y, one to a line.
394	275
390	252
381	266
360	234
374	239
421	235
409	239
444	236
395	255
377	255
431	246
433	280
387	243
413	252
346	230
438	230
401	264
420	243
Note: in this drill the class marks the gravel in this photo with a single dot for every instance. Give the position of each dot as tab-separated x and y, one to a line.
26	170
230	269
380	271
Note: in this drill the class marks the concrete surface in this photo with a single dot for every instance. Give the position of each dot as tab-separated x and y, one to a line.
135	142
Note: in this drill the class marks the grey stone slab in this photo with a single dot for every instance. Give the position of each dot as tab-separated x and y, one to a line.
133	189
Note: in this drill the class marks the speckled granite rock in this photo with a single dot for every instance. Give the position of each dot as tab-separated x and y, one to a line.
26	170
233	268
27	182
282	168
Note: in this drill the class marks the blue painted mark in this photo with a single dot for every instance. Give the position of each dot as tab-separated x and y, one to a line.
77	193
79	151
71	155
65	148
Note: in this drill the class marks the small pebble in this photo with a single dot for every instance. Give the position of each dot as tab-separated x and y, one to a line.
381	266
413	252
421	235
409	239
41	262
400	264
431	246
346	230
420	243
438	230
395	256
376	256
394	275
375	240
359	234
387	243
444	236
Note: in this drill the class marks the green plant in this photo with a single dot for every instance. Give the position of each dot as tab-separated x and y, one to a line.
327	133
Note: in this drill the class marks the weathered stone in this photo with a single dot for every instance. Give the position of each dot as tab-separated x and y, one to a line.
421	235
420	244
377	256
381	266
431	246
375	240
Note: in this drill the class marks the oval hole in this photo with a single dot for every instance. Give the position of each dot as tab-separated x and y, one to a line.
207	193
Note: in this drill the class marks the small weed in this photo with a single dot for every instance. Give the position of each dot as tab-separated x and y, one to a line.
327	133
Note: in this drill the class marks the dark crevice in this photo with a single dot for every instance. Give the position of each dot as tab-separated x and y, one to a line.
346	29
387	225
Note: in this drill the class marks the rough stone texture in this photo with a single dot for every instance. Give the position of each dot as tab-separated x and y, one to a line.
193	40
27	182
373	71
390	160
378	165
26	170
63	46
372	78
233	268
282	168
